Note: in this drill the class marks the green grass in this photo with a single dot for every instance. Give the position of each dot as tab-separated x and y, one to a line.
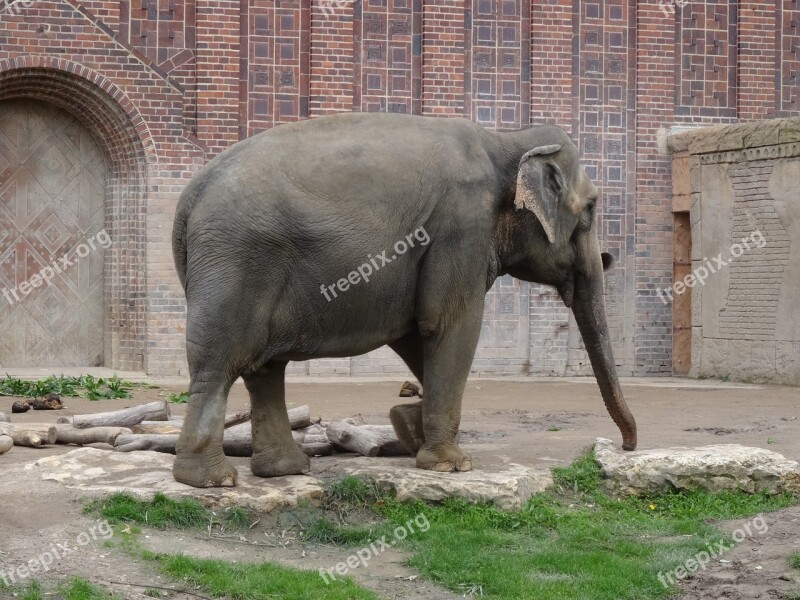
794	560
257	581
574	541
85	386
74	589
80	589
180	398
571	542
162	512
350	491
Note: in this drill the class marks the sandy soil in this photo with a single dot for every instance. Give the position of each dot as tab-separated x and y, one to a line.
544	422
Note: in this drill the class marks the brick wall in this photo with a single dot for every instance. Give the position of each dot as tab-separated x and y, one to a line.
168	84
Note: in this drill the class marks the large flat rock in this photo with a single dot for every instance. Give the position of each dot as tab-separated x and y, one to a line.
710	468
507	489
142	474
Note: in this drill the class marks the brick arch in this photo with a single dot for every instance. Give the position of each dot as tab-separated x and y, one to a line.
122	133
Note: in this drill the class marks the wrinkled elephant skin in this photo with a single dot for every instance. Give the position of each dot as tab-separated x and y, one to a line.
336	236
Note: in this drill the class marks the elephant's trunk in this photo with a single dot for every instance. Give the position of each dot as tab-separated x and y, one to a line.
590	314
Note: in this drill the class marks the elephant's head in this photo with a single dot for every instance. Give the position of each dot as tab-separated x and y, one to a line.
551	236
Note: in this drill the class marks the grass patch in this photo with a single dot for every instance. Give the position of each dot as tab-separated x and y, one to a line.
74	589
85	386
574	541
794	560
323	531
80	589
163	512
257	581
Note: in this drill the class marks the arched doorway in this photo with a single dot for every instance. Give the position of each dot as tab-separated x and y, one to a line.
116	126
52	238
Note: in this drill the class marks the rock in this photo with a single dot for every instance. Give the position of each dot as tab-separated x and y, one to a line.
507	490
20	406
409	390
51	401
709	468
4	418
142	474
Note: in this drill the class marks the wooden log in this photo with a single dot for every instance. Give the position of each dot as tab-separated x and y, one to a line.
128	417
300	417
236	441
32	436
6	443
101	446
148	441
67	434
175	423
95	435
236	418
159	427
366	440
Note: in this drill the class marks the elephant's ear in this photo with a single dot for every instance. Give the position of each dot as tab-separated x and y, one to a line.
540	185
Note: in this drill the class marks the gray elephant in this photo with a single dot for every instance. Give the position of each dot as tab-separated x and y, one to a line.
338	235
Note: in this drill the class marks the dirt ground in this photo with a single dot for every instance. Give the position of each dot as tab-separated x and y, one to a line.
535	422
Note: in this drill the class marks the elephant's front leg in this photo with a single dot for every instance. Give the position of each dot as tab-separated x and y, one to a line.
448	357
275	452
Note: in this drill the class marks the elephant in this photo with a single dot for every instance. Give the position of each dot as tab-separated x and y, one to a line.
272	239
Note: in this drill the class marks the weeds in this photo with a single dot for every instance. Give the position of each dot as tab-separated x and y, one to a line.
181	398
85	386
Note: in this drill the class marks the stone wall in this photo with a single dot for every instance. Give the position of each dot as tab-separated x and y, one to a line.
743	185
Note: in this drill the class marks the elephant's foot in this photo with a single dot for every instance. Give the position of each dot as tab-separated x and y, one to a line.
204	470
407	422
271	464
444	458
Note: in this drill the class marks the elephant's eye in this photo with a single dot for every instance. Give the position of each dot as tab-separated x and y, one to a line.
588	214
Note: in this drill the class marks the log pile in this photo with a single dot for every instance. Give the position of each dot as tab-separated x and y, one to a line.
152	427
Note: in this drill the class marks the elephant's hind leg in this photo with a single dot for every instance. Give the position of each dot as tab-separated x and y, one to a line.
200	460
275	452
407	418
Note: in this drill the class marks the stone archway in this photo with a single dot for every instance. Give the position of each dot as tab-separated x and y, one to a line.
113	123
52	238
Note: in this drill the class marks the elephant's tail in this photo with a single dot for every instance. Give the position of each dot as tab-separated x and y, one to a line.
186	203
